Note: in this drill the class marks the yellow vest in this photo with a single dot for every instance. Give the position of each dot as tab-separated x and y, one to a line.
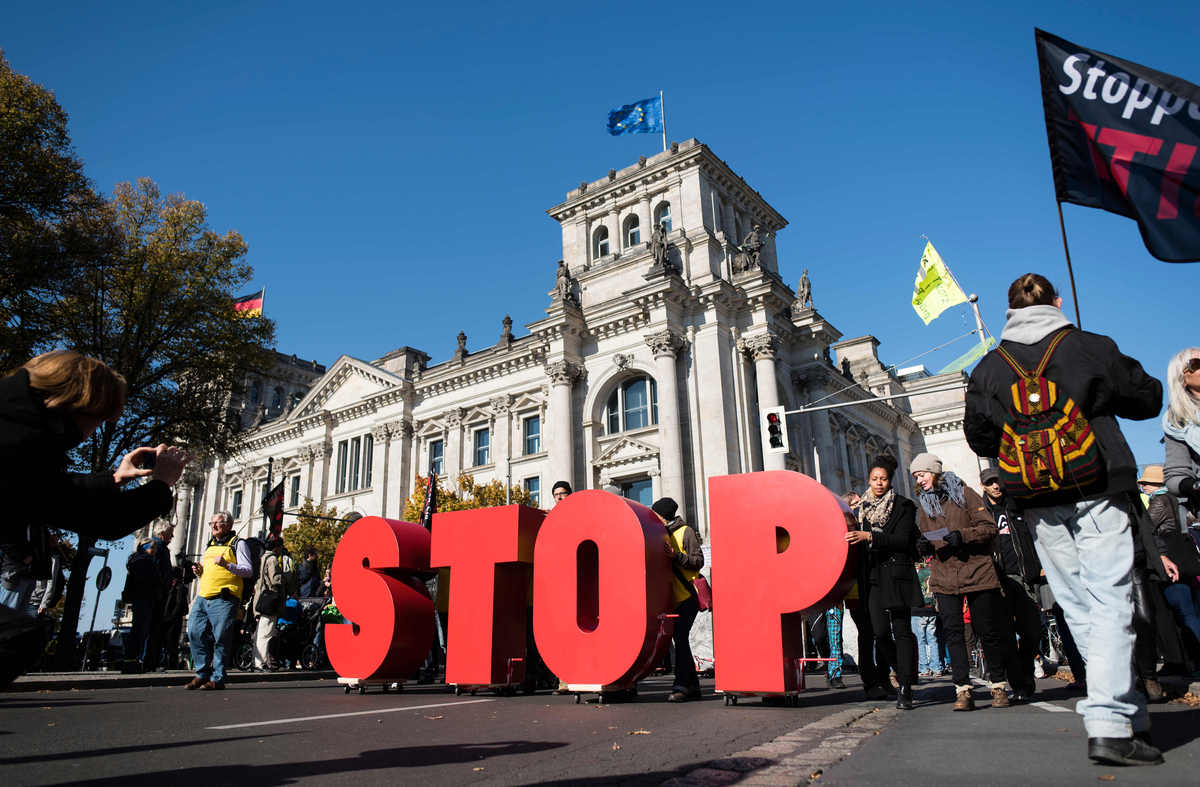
215	578
680	592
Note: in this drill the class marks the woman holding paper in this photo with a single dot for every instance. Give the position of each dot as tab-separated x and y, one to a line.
955	523
889	532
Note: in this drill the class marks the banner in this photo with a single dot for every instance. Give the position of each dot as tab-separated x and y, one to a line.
971	356
1124	138
272	504
934	290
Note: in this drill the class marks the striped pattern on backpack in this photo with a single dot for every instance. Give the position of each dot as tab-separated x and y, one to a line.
1047	444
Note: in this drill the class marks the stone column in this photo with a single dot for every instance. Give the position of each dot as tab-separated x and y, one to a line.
381	436
403	472
562	376
307	455
664	345
324	453
764	349
452	450
502	435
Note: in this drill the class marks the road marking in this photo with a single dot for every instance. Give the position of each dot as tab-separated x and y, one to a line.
1052	708
344	715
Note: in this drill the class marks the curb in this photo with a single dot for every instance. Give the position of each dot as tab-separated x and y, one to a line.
68	681
795	758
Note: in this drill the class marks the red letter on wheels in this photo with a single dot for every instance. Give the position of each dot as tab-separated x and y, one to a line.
490	555
389	614
601	579
778	550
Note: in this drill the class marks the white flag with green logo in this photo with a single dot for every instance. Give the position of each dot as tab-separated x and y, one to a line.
934	290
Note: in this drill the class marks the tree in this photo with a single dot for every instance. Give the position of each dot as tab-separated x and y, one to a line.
468	494
46	206
158	308
316	527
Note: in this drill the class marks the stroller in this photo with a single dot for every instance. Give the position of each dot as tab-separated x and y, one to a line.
297	642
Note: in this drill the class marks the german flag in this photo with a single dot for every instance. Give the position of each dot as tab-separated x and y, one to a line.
250	305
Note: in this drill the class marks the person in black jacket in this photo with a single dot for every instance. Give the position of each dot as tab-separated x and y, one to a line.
47	407
890	531
1021	574
1081	531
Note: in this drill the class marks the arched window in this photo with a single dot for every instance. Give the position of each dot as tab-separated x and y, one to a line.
662	215
633	405
633	232
600	242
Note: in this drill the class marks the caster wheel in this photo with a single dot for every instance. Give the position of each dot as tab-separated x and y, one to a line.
458	691
399	688
362	690
578	699
733	700
727	702
347	689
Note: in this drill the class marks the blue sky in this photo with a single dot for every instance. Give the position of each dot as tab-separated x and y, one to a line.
390	167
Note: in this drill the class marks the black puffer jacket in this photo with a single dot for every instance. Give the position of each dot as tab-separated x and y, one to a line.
1088	368
39	492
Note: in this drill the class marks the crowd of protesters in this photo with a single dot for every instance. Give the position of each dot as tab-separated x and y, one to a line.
1066	535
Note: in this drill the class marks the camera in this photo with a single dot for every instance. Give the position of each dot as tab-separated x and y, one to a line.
147	461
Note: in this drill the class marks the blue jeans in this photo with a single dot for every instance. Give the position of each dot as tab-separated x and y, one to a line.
1087	551
929	653
18	598
1181	596
219	615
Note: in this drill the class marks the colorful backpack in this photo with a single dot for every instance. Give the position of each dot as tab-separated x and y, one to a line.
1048	443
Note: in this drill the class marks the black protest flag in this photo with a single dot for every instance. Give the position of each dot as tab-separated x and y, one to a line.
272	506
430	507
1124	138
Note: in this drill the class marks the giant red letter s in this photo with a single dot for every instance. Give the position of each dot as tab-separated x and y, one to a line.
490	555
778	550
391	615
600	580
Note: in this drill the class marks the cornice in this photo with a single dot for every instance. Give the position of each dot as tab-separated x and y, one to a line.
443	379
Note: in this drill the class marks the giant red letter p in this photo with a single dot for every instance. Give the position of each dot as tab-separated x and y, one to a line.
778	550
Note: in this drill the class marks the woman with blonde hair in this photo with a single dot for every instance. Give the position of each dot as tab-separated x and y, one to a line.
1181	428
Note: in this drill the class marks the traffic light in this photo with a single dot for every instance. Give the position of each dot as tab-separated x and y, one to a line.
774	429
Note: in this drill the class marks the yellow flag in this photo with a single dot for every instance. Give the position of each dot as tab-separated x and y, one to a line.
971	356
935	290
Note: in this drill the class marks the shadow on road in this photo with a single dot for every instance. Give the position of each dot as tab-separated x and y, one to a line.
64	703
1182	729
266	775
111	750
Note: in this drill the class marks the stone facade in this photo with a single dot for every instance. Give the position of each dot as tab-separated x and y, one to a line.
645	375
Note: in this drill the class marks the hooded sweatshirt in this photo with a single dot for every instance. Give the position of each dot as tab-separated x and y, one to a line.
1088	368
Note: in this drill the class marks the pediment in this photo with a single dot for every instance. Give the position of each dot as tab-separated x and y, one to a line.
347	382
625	451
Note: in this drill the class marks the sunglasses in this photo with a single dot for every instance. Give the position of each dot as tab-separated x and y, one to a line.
1192	366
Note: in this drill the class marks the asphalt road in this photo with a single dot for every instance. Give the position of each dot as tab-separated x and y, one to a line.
285	733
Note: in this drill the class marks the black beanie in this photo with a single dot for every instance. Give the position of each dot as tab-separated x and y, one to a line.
666	508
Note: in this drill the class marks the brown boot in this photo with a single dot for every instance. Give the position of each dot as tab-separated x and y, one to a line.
194	684
964	701
1000	697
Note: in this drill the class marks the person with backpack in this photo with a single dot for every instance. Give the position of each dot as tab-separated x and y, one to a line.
274	587
1045	403
221	572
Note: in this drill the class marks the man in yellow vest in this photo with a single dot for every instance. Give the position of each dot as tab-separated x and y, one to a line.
683	547
222	569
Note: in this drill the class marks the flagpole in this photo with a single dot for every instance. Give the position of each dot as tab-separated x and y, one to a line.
662	105
1070	271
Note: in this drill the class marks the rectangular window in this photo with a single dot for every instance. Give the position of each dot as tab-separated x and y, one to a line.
436	451
294	497
532	432
343	456
482	447
368	457
639	490
355	455
237	504
534	487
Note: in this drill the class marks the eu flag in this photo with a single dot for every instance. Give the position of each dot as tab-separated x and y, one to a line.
640	117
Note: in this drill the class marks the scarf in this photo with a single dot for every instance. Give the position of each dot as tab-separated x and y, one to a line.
1189	434
950	489
875	511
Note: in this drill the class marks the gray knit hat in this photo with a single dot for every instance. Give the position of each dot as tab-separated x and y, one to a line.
925	462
